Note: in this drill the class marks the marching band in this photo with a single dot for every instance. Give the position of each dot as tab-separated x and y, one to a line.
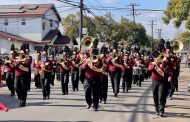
93	67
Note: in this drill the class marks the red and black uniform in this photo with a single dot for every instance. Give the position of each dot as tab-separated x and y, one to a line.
46	78
172	85
104	80
54	64
158	88
115	73
92	86
127	74
29	73
21	79
64	72
10	75
75	73
37	68
139	78
82	71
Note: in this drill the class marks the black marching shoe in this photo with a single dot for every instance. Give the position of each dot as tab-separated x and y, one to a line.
115	94
161	115
12	93
44	97
104	102
88	106
22	104
95	108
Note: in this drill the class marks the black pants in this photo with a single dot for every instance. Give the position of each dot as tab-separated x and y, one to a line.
58	76
29	79
21	85
75	80
10	81
159	89
138	80
82	75
92	88
125	80
37	80
103	88
45	85
52	79
64	82
115	80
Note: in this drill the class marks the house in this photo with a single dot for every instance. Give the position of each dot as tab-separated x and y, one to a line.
36	24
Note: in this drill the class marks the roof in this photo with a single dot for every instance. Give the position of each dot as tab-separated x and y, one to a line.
62	40
26	10
51	35
12	37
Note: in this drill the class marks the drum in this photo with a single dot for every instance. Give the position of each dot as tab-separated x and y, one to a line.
137	71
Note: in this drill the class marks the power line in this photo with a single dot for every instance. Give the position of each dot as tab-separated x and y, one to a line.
152	31
159	31
133	5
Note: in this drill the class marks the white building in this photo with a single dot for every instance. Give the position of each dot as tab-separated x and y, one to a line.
36	24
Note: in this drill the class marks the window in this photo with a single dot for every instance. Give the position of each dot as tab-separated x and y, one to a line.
6	22
23	21
51	23
44	26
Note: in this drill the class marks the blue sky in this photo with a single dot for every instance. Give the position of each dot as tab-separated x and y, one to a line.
168	31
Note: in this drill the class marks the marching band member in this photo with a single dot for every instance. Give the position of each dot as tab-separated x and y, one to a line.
21	66
64	65
104	75
8	64
27	51
139	62
75	70
83	57
92	80
45	73
54	64
126	73
37	67
161	75
115	69
9	71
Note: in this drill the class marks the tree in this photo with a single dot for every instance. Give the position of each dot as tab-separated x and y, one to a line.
185	39
178	10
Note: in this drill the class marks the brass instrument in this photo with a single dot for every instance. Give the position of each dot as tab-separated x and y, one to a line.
94	58
160	59
177	46
114	56
101	70
126	65
22	57
62	63
7	60
87	42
